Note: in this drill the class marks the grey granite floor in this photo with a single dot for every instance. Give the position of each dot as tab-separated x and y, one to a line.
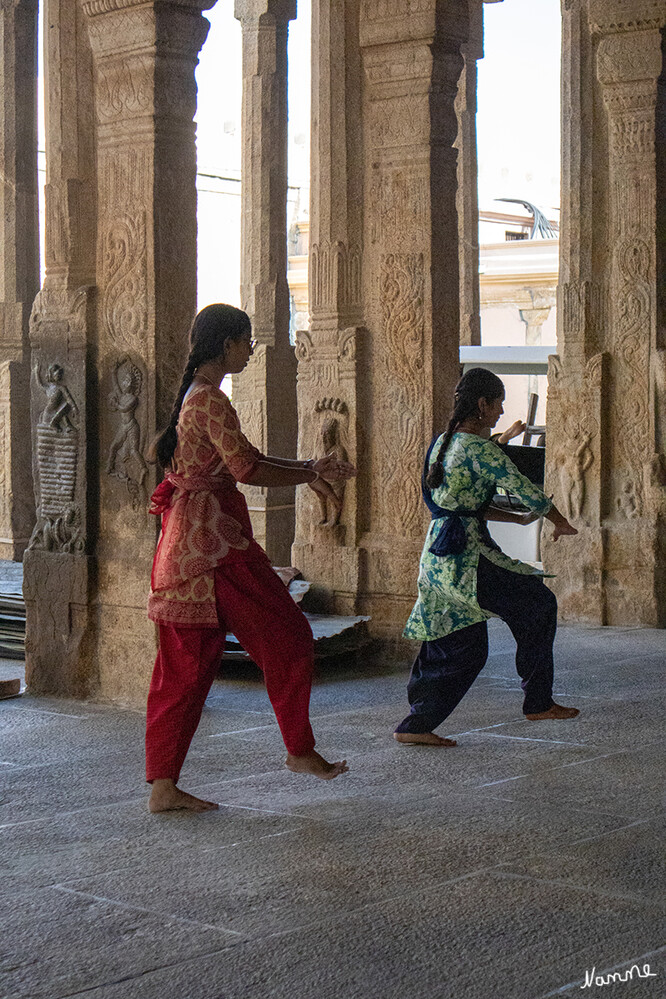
510	867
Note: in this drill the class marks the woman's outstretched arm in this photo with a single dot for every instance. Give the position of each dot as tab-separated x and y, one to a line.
346	469
511	516
289	472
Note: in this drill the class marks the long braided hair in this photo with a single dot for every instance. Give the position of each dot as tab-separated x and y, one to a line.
211	327
475	384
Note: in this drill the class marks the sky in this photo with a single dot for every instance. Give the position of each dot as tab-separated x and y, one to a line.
518	115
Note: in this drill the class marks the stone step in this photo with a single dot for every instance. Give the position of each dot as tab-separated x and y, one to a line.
334	635
12	625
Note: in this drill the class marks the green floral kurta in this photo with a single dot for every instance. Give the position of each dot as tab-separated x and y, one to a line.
474	469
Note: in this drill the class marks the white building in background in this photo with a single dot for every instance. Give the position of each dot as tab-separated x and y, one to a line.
518	287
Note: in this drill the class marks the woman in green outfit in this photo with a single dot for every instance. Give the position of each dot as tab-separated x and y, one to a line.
465	578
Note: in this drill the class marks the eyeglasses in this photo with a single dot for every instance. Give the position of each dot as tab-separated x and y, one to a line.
252	345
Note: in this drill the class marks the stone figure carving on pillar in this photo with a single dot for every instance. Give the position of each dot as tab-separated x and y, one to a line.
572	478
629	501
330	436
125	460
60	407
58	526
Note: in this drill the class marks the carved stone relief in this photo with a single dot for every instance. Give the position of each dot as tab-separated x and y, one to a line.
125	280
584	316
623	16
125	460
327	423
335	276
572	472
383	10
58	527
575	400
400	424
629	502
397	194
631	341
333	419
626	58
303	349
124	88
251	416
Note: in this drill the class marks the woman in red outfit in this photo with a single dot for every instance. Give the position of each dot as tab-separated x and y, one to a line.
210	576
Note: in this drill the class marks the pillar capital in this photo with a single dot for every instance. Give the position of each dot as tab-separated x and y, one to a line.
93	8
256	12
630	57
385	22
129	30
613	16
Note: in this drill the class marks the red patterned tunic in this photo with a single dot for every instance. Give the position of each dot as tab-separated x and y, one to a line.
205	519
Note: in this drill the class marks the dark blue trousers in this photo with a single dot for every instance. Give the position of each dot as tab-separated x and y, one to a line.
446	668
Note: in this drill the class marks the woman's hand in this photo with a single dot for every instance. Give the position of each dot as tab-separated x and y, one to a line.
332	469
563	529
324	489
562	526
517	427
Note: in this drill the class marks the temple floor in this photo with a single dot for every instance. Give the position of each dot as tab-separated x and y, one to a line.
506	868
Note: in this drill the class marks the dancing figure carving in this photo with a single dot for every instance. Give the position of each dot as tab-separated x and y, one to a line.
331	442
572	478
125	461
60	409
58	527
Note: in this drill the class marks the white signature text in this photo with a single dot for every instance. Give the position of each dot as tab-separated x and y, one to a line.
617	976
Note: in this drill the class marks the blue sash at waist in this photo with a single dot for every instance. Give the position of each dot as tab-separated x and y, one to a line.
452	536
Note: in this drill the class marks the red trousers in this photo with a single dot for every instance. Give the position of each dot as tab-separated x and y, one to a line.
255	605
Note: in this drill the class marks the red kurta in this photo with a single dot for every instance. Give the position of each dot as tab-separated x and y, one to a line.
205	520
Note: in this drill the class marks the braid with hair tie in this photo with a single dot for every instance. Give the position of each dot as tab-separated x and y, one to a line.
475	384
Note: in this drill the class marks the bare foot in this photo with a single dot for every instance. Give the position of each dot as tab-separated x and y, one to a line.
313	763
423	739
554	711
166	797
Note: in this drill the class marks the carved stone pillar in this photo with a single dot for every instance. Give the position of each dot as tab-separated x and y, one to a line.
410	280
534	320
265	393
109	364
605	446
468	181
325	548
19	265
57	576
144	56
377	368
